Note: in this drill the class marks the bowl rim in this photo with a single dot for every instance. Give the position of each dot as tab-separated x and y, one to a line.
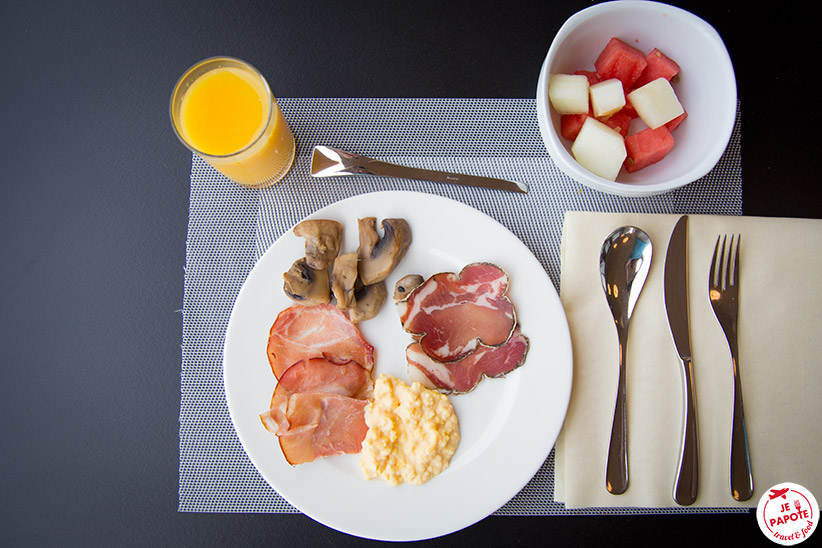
563	159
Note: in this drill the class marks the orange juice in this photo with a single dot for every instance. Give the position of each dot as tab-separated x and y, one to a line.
223	110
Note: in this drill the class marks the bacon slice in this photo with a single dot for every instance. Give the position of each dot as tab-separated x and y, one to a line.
322	425
463	375
450	315
302	332
317	375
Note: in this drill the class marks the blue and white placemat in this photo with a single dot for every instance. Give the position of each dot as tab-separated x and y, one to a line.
230	227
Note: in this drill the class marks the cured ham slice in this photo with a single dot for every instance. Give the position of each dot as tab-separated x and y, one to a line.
322	425
450	315
315	375
322	330
323	367
464	374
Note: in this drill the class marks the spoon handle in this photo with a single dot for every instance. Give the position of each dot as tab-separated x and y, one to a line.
616	473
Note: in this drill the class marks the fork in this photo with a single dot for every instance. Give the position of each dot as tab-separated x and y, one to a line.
723	289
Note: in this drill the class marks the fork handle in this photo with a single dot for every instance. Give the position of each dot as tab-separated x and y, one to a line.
687	480
741	476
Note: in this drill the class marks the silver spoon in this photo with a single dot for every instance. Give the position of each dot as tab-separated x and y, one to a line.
623	266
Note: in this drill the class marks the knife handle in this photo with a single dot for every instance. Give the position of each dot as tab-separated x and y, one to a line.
385	169
687	481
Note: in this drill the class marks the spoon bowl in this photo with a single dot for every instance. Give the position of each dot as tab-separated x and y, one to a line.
624	262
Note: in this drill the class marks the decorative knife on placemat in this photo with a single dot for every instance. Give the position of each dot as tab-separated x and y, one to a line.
327	162
676	304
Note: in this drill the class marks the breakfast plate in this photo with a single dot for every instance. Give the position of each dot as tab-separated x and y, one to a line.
508	425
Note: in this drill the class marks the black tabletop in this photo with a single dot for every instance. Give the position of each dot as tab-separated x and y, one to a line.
94	212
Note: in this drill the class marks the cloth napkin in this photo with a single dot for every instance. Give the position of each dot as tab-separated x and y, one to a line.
779	361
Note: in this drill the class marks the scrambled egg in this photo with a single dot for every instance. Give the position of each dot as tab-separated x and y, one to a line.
412	432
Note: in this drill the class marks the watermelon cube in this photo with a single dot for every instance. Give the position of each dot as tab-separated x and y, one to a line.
620	60
659	66
647	147
570	124
629	109
593	77
673	124
620	121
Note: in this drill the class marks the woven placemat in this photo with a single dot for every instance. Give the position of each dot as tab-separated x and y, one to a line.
230	227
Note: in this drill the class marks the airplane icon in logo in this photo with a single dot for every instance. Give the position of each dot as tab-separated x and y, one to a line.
776	493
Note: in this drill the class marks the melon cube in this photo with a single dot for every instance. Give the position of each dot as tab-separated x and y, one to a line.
647	147
620	60
656	103
607	97
568	93
599	149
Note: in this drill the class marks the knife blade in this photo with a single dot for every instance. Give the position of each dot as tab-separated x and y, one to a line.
329	162
676	306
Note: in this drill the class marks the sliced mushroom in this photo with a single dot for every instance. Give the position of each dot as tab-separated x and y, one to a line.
306	285
344	280
380	255
369	301
323	238
369	238
406	285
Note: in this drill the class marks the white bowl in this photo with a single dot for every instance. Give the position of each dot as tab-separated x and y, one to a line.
706	88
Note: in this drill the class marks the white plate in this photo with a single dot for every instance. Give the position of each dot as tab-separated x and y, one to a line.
508	425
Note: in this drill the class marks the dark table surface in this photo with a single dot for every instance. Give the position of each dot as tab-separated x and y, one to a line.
93	219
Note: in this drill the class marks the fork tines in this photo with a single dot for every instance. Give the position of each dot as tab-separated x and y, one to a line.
725	273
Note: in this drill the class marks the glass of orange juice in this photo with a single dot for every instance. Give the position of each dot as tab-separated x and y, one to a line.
223	110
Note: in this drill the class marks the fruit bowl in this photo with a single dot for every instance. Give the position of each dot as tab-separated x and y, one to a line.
705	86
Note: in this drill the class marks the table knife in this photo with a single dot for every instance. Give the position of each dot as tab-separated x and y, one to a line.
676	305
327	162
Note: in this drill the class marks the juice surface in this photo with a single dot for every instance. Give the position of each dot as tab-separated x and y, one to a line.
223	112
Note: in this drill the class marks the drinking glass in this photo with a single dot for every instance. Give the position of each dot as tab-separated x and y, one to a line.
223	110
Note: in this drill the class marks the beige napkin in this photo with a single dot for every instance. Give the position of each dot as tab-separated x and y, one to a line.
780	342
